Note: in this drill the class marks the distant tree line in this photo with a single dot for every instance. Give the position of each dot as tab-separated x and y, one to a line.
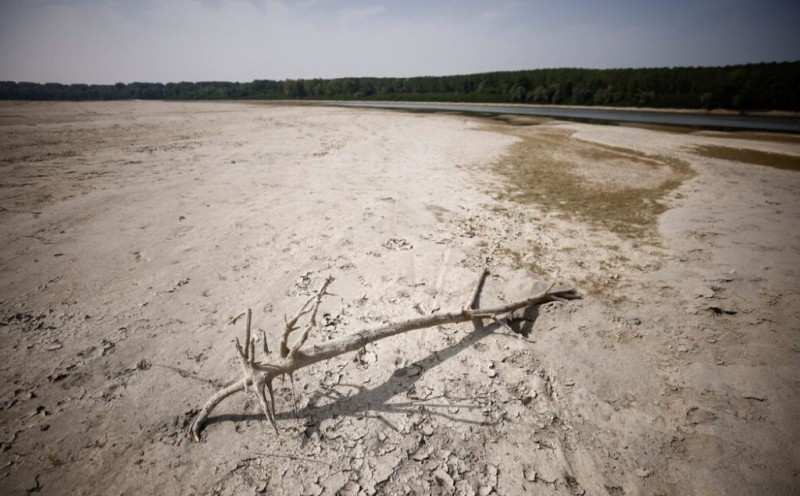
768	86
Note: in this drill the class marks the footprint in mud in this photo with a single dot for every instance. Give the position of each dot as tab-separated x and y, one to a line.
398	244
697	416
139	256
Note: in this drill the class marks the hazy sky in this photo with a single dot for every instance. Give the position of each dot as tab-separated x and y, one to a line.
106	41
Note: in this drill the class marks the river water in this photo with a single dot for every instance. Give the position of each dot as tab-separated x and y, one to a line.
687	119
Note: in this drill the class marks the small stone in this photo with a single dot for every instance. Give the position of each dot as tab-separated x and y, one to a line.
329	429
529	474
485	490
359	432
492	373
444	480
642	472
423	453
463	488
107	346
351	488
313	490
546	474
419	392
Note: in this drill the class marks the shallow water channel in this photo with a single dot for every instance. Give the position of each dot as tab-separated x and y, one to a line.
688	119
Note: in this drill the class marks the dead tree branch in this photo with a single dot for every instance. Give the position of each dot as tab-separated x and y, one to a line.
260	374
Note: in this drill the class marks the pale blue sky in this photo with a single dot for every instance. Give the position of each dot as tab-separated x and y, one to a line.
106	41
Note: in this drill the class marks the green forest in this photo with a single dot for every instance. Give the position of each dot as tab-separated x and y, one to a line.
768	86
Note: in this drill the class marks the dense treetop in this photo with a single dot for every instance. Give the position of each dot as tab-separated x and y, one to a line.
768	86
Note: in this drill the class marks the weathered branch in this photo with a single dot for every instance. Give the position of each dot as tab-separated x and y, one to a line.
314	301
476	291
261	374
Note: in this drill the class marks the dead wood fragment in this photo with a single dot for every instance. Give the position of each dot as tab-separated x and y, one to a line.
259	375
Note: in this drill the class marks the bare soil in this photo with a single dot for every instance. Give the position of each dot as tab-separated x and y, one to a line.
134	231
